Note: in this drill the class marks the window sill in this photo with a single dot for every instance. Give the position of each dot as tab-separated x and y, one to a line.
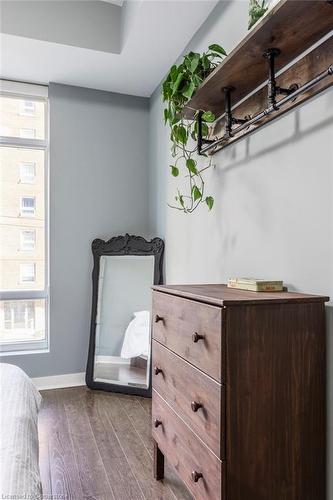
42	350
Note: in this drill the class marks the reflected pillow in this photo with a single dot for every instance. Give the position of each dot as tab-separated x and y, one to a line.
137	336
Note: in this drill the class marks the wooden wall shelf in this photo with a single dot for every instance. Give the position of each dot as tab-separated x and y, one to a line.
292	27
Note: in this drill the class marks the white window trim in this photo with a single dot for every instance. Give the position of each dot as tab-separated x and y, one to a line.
30	91
34	93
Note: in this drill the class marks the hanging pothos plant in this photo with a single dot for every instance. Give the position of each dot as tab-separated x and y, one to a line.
256	11
179	86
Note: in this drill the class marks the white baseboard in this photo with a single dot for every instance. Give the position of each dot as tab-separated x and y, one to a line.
116	360
59	381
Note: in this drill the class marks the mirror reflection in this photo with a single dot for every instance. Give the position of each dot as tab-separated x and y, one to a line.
123	320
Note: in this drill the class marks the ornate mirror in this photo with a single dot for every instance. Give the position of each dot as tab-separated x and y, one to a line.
119	358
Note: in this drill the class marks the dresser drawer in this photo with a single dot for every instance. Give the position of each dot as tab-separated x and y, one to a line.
191	329
186	452
185	388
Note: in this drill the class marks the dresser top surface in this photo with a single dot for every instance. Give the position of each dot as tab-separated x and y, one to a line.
221	295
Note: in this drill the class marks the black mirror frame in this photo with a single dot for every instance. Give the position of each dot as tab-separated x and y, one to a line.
120	245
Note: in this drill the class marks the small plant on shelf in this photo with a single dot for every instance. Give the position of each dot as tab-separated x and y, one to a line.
179	86
256	11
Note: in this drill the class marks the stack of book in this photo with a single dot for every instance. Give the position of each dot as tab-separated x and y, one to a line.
256	285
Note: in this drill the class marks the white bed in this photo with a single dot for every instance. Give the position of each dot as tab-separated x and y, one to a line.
20	402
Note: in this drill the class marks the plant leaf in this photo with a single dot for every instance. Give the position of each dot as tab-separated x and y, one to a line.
173	72
166	91
210	202
191	165
181	134
174	170
208	116
194	62
205	130
217	48
205	62
166	115
177	83
175	119
180	198
196	193
197	80
189	89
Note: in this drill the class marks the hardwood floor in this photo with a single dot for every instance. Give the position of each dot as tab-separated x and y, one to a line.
96	445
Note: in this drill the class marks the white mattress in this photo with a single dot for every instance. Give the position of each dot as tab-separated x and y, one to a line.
20	402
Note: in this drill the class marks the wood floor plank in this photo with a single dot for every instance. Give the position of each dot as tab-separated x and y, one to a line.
122	480
138	417
44	452
93	477
135	451
64	475
146	404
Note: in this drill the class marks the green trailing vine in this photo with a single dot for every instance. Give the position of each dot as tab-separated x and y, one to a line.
179	86
256	11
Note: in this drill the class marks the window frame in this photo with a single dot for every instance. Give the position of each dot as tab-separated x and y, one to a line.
36	93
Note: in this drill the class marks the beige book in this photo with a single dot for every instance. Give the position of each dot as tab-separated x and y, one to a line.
256	285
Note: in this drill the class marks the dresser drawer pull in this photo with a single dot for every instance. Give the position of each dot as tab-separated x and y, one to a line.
157	370
196	476
195	406
158	318
157	422
196	337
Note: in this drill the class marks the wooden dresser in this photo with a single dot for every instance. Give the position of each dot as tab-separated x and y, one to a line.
239	392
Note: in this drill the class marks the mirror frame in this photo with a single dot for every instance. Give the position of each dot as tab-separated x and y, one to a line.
120	245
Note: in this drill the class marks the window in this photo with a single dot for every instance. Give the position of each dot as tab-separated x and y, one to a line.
27	172
19	314
28	206
28	240
24	276
28	133
27	108
27	272
23	117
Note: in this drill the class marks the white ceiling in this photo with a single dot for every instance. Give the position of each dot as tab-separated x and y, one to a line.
154	33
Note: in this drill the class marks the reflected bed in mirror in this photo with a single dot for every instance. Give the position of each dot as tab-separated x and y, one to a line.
125	268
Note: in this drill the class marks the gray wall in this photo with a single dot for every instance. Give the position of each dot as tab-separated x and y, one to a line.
98	165
273	193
